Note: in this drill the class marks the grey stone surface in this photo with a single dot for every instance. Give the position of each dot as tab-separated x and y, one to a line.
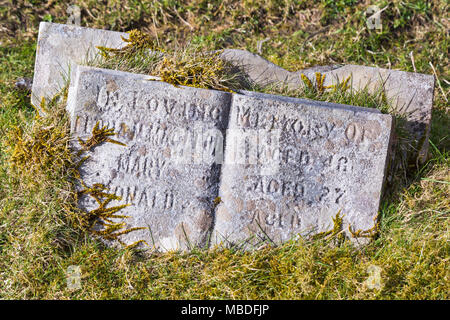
260	70
289	166
320	160
61	46
169	170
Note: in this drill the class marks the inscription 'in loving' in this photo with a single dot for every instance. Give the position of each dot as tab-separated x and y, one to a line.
119	100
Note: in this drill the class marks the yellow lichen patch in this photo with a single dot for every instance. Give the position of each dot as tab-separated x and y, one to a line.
307	82
217	201
320	78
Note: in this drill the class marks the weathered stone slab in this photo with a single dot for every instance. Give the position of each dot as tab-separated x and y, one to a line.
290	165
169	170
61	46
322	159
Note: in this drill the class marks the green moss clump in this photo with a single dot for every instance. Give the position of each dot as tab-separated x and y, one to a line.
40	150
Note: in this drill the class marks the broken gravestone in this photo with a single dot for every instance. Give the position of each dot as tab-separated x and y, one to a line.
60	46
410	94
291	166
168	170
203	166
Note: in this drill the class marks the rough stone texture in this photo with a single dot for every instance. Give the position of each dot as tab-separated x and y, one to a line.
61	46
322	159
411	94
260	70
264	72
168	169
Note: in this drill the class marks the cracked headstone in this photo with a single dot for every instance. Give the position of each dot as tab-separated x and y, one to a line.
203	166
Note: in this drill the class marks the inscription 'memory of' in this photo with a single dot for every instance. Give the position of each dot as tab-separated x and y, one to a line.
312	129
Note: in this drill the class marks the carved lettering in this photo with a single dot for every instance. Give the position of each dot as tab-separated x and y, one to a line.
355	132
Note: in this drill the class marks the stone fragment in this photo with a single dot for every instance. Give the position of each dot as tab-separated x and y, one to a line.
61	46
292	165
170	167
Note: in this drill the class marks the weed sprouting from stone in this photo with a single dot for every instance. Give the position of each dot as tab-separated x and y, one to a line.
99	135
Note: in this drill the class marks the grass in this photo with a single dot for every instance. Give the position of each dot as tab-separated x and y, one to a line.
39	240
